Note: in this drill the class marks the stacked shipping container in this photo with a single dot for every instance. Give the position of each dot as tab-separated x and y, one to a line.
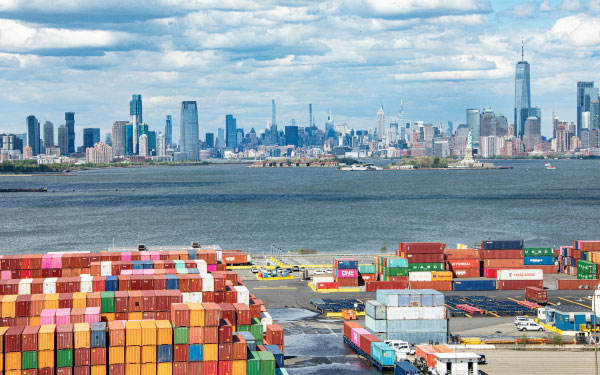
345	272
463	262
497	255
423	256
519	279
391	268
540	258
369	344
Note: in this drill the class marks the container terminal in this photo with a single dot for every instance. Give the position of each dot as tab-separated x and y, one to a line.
128	291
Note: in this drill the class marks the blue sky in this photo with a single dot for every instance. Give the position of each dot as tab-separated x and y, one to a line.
233	56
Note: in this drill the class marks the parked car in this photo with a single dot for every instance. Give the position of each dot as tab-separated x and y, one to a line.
319	272
481	360
295	269
522	319
400	346
302	269
289	270
530	326
254	270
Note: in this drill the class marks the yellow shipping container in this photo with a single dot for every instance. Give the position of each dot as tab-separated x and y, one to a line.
164	333
132	369
98	370
51	301
79	300
13	372
133	333
133	354
148	328
82	335
164	368
46	337
34	320
135	315
148	368
109	317
13	361
116	355
196	315
149	354
210	352
8	306
441	276
46	359
238	368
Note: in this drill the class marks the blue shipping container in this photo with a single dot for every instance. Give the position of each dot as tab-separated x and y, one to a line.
277	353
347	264
415	338
250	340
375	325
193	270
502	245
375	310
192	255
98	335
172	282
463	285
164	353
195	353
137	265
405	368
383	354
148	264
111	284
410	325
538	261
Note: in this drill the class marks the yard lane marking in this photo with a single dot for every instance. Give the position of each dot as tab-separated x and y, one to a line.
577	303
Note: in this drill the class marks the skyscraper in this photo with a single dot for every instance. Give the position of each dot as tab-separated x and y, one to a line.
70	124
210	140
161	144
380	123
473	122
33	134
108	138
91	136
48	134
273	113
168	130
151	142
586	93
532	133
128	139
63	139
188	129
450	128
135	111
118	136
231	132
522	94
143	145
310	118
220	137
291	135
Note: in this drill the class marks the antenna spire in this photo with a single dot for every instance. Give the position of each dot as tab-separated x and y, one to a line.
522	50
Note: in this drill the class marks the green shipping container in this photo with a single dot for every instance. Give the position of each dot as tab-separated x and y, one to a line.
256	329
253	363
181	335
64	358
267	363
366	268
425	267
29	360
243	328
395	271
107	302
538	252
586	266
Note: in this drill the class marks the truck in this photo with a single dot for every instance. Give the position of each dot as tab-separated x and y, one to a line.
537	295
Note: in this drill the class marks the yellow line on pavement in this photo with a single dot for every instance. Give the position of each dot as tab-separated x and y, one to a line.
468	316
577	303
497	316
277	287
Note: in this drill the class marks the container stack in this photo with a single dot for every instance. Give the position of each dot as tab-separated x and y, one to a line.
540	258
367	272
499	255
415	316
519	279
82	351
436	280
98	349
463	262
368	344
392	268
345	272
587	270
423	256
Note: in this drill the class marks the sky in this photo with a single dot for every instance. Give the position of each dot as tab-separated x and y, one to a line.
439	57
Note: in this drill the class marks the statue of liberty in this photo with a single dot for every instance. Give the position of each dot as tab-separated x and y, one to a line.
470	140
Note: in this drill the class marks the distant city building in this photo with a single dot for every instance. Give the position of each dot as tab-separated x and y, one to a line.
536	112
188	130
70	124
33	135
91	136
473	122
108	139
128	139
161	144
586	93
168	130
135	111
63	139
380	123
239	137
532	133
522	94
273	113
151	142
291	135
231	130
48	134
450	128
27	152
220	138
100	153
118	136
210	140
143	146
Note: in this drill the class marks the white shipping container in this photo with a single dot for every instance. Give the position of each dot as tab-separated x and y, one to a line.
419	276
195	297
415	313
219	255
86	285
201	265
50	285
185	297
322	279
208	282
243	294
106	268
265	319
25	286
520	274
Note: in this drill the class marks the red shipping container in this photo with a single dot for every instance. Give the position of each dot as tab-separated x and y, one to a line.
175	296
546	269
242	313
148	300
453	264
442	286
98	283
65	371
65	300
466	272
46	371
116	333
162	315
26	274
73	284
15	262
124	283
503	263
78	315
219	297
135	301
348	325
518	284
180	368
64	336
137	281
181	352
5	262
501	254
211	335
425	258
121	316
8	322
347	282
225	331
36	305
82	370
400	279
324	286
365	342
422	247
161	300
160	282
37	286
121	302
536	294
194	368
274	334
230	296
117	369
22	321
29	372
149	315
219	279
29	339
239	348
180	313
363	277
212	314
97	356
81	357
23	305
196	335
570	284
228	312
234	258
209	368
208	297
12	339
372	286
225	351
148	282
225	367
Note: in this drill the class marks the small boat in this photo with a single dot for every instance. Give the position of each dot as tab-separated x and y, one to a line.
549	166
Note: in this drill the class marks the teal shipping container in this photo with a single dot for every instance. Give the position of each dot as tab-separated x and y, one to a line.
383	354
397	262
366	268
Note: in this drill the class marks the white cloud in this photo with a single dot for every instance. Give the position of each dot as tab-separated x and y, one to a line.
581	31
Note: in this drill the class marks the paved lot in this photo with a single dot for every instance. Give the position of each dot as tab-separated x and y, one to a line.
511	362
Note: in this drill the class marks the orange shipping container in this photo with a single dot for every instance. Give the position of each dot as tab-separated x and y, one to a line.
148	369
164	332
196	315
13	372
239	367
46	337
196	335
452	254
133	369
135	316
82	335
466	272
51	301
46	359
116	355
503	263
148	328
9	306
210	352
149	354
79	300
133	333
12	361
98	370
164	368
133	354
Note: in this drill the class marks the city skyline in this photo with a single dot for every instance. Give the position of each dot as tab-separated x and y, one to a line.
439	59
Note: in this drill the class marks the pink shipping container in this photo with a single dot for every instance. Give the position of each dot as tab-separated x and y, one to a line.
5	275
126	272
63	316
48	316
46	261
137	272
56	261
126	256
518	284
154	255
347	273
145	256
211	268
356	333
148	271
92	315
